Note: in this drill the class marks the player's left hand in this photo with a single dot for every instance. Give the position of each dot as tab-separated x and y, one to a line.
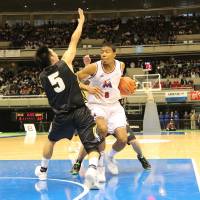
95	91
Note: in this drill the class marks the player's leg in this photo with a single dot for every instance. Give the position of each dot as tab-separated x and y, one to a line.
117	125
77	165
137	148
102	130
101	167
61	127
121	136
41	171
100	115
90	139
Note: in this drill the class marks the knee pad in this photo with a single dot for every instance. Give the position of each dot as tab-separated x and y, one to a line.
93	145
130	137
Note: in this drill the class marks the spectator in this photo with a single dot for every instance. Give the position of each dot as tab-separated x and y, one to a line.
166	118
186	120
171	126
162	123
193	120
176	119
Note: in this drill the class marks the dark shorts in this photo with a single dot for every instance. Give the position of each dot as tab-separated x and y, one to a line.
65	124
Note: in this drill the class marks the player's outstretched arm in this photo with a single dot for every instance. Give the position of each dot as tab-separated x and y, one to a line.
69	55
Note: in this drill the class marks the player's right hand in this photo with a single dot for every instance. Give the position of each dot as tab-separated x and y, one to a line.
96	91
81	16
86	60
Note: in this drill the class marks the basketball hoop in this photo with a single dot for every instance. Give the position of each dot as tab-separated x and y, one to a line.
147	82
146	86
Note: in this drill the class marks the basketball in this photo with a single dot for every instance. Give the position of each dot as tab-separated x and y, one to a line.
126	86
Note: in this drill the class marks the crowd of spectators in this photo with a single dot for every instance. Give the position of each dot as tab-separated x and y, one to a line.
175	73
173	120
24	81
132	31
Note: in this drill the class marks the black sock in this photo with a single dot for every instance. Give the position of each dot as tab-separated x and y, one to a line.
43	169
79	161
93	166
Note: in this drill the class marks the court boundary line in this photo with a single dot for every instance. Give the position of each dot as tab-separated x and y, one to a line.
80	196
196	173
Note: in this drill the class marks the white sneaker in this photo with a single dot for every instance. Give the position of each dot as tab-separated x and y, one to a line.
41	175
101	174
112	165
91	179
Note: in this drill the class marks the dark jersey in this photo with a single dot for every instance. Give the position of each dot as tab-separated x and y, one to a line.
61	87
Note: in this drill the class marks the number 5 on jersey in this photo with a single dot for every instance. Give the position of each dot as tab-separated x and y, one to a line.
56	82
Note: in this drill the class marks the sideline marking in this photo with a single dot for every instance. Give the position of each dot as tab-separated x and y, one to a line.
80	196
196	173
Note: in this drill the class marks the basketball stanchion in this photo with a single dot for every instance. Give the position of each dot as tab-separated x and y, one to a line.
148	84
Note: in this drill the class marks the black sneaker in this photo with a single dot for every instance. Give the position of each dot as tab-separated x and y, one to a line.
144	162
76	168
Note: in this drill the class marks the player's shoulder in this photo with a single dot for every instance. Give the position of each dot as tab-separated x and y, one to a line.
42	75
61	63
121	63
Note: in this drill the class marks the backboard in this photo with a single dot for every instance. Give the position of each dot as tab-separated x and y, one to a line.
147	82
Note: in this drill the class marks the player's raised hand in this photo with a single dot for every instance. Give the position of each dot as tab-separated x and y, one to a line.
81	16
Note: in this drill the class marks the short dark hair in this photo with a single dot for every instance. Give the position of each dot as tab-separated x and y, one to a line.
42	57
108	44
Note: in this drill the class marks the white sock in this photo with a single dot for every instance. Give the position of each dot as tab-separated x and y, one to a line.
101	159
44	162
93	161
112	153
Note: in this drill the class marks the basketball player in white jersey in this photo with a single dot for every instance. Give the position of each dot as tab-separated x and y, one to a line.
109	114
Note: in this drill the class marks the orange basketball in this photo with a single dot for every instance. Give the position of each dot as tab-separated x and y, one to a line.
126	86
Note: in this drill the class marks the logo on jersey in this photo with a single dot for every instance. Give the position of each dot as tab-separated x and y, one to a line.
107	84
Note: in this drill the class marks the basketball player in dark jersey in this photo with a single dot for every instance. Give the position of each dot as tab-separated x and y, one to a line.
66	100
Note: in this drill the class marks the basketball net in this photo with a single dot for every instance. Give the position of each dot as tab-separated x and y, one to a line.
148	91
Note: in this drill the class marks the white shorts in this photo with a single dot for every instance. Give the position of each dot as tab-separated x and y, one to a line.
113	113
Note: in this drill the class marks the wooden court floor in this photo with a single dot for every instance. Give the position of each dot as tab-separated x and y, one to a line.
153	146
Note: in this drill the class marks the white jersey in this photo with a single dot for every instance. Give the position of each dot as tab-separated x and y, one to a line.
108	83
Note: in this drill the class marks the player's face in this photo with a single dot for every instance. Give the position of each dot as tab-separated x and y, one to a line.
107	55
53	56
